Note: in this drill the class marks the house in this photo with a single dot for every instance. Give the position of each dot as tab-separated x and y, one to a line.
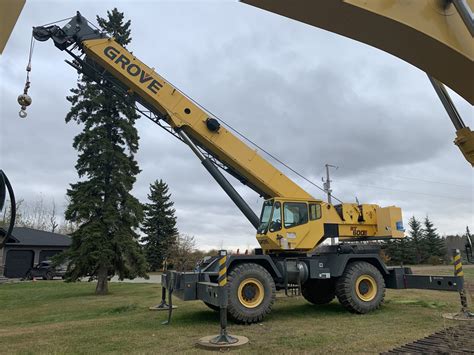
27	247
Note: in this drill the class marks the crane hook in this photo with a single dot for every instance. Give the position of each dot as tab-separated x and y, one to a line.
24	99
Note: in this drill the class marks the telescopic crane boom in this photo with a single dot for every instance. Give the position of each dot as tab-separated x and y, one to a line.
291	218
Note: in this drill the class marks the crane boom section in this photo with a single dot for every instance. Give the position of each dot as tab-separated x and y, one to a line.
10	10
430	34
182	113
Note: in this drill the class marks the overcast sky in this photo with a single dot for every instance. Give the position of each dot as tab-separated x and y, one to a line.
308	96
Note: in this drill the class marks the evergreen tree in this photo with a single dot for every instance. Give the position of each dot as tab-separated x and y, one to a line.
159	225
434	244
400	251
107	214
416	240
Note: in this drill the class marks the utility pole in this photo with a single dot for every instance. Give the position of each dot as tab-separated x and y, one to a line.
327	183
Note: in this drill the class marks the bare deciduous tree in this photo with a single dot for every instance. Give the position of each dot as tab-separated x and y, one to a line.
53	224
37	215
182	255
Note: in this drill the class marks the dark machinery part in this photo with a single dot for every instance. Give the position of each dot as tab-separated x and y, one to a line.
464	136
447	103
466	14
222	181
469	246
75	31
212	124
5	187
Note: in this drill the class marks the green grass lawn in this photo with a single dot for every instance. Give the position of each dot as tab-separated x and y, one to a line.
56	317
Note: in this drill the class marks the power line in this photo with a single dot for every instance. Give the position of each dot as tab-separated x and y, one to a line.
404	191
253	143
423	180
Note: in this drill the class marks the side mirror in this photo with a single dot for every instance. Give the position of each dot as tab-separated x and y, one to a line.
274	226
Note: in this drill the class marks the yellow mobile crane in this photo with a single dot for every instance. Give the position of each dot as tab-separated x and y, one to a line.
292	224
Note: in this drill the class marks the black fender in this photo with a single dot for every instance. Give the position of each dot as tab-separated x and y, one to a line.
373	259
233	260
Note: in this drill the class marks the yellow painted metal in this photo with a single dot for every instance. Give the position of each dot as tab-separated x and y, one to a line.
366	222
9	12
353	221
369	288
429	34
257	293
181	112
222	275
465	141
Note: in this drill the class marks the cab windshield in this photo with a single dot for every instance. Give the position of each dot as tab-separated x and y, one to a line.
265	216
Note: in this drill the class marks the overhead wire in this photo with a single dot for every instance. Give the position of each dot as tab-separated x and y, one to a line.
419	179
404	191
52	23
253	143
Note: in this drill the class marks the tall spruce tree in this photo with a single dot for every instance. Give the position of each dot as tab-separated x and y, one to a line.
159	225
416	240
434	245
100	203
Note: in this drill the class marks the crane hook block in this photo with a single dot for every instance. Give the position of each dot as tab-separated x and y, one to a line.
24	100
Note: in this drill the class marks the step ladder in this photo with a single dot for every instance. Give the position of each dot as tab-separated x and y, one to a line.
291	289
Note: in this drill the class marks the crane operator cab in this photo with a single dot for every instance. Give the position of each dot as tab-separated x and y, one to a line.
301	224
286	224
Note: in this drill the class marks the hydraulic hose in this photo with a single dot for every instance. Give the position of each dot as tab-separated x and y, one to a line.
5	187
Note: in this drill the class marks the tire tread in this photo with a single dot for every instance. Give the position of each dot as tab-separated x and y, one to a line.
234	313
344	287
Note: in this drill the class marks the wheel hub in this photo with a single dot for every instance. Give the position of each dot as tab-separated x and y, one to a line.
251	293
366	288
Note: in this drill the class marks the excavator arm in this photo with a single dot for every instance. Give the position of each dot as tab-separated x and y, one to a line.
434	35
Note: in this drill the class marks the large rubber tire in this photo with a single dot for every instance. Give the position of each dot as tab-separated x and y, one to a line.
251	293
211	306
319	291
361	288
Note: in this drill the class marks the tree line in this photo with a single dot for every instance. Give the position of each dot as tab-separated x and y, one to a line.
422	245
37	214
160	239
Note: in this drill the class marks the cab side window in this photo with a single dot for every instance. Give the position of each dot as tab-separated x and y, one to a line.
275	224
314	211
295	214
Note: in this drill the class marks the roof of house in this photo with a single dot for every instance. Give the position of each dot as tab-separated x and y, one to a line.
35	237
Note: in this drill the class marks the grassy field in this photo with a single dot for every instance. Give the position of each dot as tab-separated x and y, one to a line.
55	317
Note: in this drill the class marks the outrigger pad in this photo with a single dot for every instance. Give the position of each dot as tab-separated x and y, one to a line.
205	342
160	307
462	316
